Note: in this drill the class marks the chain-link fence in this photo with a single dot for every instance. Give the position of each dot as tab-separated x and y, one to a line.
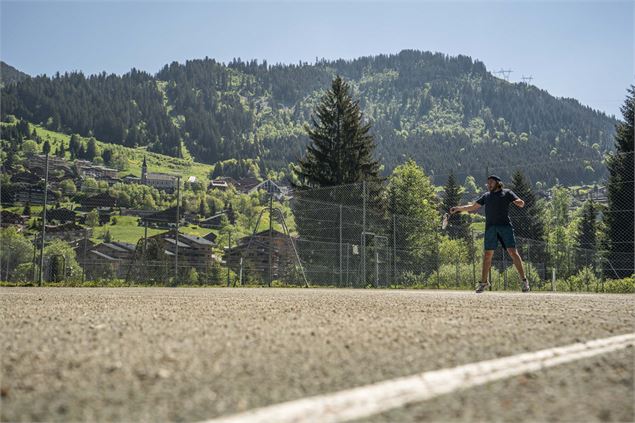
357	235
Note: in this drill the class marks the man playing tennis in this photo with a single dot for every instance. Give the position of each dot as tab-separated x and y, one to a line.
498	227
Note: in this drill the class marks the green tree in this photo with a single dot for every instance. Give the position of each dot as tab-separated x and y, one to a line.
459	224
16	249
68	187
470	185
586	236
92	218
342	147
46	148
620	215
106	155
27	209
412	198
529	221
91	150
30	147
52	253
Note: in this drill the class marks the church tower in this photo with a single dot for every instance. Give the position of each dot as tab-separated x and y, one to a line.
144	171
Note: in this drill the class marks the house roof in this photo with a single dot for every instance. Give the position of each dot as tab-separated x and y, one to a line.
173	241
196	239
102	255
160	176
167	215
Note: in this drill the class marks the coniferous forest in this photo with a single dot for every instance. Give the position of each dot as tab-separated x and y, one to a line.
449	114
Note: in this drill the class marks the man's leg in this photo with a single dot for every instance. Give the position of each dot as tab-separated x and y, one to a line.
518	263
487	263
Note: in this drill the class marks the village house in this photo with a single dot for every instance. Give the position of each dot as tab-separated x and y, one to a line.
251	254
8	218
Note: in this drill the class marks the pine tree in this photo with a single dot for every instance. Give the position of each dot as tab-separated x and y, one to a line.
91	150
341	149
586	236
46	148
459	225
201	208
27	209
528	222
619	216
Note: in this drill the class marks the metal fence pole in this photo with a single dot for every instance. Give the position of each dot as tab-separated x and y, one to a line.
363	240
46	187
229	247
340	245
270	238
178	218
394	249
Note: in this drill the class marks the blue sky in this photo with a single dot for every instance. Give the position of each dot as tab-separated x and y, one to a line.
573	49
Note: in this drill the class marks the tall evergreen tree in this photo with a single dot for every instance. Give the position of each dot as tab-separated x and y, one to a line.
619	216
342	147
529	221
459	225
91	150
586	236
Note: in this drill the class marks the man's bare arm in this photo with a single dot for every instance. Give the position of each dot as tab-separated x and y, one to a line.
519	203
468	208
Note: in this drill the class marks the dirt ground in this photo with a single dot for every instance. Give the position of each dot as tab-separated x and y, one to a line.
170	354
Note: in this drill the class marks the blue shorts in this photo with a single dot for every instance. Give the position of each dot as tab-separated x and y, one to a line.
502	233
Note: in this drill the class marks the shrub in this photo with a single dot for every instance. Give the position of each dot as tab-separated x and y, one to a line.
532	274
620	286
584	280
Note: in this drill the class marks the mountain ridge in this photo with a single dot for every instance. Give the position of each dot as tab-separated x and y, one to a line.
448	113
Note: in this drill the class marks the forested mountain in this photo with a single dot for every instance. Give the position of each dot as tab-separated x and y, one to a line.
447	113
10	75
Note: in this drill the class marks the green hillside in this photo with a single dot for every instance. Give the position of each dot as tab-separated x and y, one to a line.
448	113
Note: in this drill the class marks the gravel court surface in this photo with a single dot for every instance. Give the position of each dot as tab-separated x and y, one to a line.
161	354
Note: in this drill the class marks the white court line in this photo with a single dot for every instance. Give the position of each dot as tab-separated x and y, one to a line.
376	398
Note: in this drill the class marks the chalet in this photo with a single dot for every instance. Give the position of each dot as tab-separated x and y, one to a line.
31	194
220	184
162	219
69	232
103	199
86	169
61	215
245	185
27	178
8	218
271	187
252	254
212	222
108	259
193	251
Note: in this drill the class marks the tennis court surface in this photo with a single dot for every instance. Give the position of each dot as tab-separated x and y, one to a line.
198	354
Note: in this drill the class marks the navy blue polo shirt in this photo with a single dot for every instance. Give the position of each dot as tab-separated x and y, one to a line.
497	206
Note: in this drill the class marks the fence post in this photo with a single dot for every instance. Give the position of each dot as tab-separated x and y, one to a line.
363	240
553	278
457	272
270	238
394	249
178	218
46	187
504	270
473	257
340	260
229	247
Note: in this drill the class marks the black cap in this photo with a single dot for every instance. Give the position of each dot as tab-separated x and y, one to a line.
494	177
